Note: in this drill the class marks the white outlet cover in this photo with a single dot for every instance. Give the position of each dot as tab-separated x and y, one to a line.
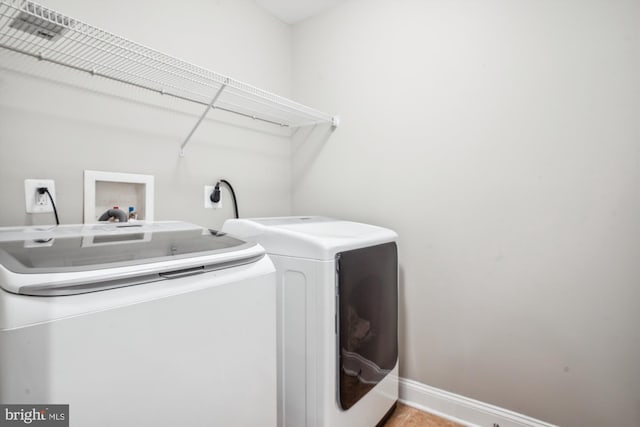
208	204
30	195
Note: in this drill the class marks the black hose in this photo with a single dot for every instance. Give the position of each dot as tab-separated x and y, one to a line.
119	214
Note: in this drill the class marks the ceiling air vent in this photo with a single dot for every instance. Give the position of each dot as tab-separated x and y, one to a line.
41	22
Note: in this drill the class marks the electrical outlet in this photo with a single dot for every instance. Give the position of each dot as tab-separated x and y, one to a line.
36	202
41	199
208	204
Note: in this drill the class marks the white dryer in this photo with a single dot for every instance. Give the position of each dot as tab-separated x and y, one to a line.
147	325
337	318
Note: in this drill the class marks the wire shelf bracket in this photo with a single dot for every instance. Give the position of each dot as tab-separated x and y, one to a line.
39	32
204	113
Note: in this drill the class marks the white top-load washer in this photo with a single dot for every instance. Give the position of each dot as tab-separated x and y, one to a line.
337	318
146	324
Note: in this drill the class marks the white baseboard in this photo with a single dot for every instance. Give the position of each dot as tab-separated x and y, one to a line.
460	409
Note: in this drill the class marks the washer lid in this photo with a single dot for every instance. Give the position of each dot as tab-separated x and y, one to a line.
73	259
308	237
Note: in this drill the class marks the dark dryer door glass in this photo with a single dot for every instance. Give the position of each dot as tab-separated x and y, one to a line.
367	319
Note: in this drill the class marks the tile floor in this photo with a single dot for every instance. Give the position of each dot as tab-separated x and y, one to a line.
406	416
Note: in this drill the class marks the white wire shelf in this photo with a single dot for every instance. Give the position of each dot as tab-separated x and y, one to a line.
34	30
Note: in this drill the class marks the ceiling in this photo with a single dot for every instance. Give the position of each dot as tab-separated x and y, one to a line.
293	11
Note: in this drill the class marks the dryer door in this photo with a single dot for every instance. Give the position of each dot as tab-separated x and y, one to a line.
367	281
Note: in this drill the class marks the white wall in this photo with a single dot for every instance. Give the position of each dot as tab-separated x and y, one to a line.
501	140
55	123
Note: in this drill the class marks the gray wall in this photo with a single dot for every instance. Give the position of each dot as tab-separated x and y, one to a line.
501	140
55	123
